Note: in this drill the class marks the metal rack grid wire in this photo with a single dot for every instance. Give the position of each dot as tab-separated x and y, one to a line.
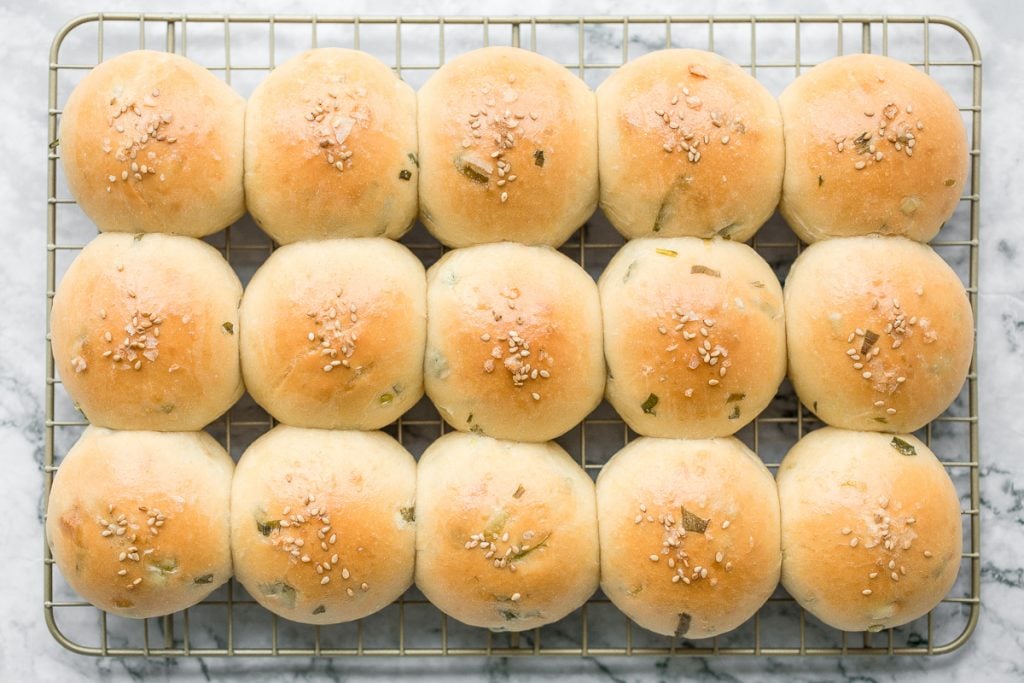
229	622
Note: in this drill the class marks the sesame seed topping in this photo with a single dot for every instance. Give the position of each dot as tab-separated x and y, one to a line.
854	541
866	591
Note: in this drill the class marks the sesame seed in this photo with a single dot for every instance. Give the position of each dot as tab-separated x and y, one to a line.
854	541
847	531
725	524
536	396
866	375
654	558
927	553
324	581
866	591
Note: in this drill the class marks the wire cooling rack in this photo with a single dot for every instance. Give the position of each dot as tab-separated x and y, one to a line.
243	49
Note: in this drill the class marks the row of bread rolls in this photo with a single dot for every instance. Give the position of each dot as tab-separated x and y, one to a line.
505	144
687	338
685	537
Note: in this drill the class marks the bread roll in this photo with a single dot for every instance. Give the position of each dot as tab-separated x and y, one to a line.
508	149
323	523
152	142
690	144
506	534
871	531
333	333
689	534
694	336
513	341
880	333
145	332
330	149
873	146
138	521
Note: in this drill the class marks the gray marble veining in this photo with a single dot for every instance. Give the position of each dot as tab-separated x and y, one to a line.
27	652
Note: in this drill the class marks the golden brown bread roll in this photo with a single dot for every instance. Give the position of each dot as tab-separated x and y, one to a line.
330	148
873	146
333	333
513	341
694	335
138	521
508	149
506	532
323	523
871	530
880	332
145	332
689	534
690	144
152	142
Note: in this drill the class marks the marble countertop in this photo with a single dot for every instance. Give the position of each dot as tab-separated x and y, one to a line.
28	652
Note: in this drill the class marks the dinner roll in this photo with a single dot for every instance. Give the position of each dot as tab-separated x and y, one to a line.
333	333
508	149
689	534
880	333
330	148
873	146
138	521
514	345
323	523
694	336
152	142
690	144
871	531
145	332
506	532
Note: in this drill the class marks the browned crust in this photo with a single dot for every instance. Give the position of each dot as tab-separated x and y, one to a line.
471	485
667	382
916	368
344	548
841	493
152	142
551	117
373	322
173	491
719	482
185	349
834	186
476	297
690	144
325	107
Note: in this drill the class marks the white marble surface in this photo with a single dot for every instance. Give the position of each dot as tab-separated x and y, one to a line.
27	652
